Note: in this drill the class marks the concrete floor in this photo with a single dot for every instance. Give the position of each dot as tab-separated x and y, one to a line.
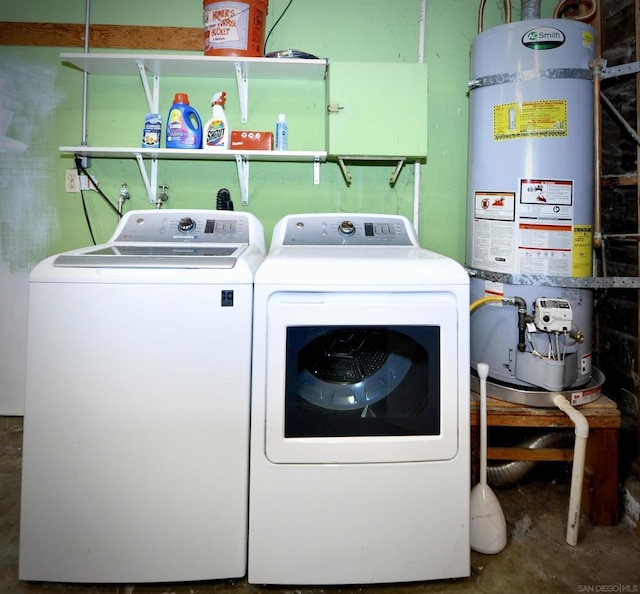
536	558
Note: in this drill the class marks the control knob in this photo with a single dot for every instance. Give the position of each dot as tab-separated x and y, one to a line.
186	224
346	228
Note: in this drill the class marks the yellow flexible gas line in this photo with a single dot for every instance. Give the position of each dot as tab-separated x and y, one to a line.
476	304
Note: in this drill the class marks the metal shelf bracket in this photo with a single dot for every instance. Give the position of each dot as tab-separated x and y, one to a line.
149	184
396	172
153	98
316	171
243	91
345	172
243	177
392	179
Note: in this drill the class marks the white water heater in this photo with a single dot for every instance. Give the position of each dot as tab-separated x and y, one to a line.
530	193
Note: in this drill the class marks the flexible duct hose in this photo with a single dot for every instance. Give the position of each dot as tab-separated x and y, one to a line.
530	9
508	473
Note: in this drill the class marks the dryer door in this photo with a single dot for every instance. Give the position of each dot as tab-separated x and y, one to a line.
366	377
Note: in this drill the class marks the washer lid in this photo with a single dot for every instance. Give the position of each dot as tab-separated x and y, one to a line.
168	255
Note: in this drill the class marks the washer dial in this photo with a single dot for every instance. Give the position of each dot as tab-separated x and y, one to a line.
346	228
186	224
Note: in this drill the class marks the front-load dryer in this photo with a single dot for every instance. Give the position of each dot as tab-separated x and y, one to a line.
136	429
360	406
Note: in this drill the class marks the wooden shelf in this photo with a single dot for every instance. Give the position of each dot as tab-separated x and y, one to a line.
600	490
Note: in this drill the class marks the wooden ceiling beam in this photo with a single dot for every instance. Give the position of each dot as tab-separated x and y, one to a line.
102	36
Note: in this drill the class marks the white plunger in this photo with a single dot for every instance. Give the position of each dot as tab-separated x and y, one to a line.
488	528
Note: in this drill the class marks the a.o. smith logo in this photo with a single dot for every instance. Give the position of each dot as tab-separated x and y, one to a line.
543	38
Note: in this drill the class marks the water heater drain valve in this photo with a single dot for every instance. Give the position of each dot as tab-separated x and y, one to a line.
552	315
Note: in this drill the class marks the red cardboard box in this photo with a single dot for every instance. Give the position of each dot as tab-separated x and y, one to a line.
250	140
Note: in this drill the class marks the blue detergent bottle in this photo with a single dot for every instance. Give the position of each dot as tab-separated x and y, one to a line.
184	127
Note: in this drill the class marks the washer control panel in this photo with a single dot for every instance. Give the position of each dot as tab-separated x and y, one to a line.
345	229
183	226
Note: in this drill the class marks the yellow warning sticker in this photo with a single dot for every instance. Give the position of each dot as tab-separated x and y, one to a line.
581	251
531	119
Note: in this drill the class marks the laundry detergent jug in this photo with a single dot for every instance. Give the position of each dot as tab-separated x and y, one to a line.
184	127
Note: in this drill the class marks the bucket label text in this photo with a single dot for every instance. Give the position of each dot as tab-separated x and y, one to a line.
226	25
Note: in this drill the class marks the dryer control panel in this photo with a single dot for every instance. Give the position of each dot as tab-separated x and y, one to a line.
344	229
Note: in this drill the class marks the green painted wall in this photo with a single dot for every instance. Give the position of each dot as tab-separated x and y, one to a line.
357	30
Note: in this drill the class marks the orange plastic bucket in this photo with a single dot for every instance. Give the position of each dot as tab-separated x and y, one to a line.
234	28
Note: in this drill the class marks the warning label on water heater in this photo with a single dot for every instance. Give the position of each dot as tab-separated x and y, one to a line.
533	233
493	231
545	227
530	119
549	199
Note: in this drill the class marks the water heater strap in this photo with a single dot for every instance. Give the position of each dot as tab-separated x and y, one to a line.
567	282
527	75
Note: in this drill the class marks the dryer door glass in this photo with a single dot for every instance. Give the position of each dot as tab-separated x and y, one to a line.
363	377
362	380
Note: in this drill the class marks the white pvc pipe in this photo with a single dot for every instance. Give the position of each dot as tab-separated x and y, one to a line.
421	32
416	195
577	473
416	165
85	79
483	374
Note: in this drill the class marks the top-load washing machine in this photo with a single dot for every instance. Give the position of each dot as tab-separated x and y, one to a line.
136	430
360	406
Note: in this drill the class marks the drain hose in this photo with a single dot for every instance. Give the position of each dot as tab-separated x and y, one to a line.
508	473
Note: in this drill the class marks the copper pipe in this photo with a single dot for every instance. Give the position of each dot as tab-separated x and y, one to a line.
581	17
481	15
507	12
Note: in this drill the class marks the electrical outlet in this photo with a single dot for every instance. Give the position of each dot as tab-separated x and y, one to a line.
71	181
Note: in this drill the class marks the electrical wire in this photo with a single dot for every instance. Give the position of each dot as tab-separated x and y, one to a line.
264	49
81	170
533	348
86	216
